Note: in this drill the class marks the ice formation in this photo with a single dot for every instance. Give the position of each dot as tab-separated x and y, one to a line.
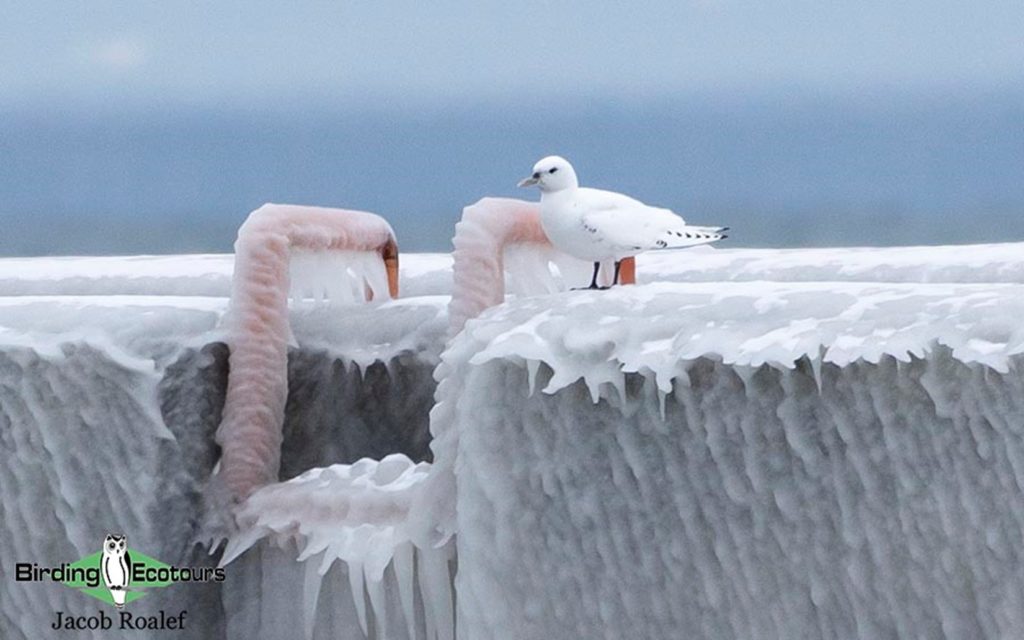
430	273
501	238
258	329
736	460
108	408
422	274
804	443
359	514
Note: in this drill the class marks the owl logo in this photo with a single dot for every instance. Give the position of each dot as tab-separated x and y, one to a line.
116	566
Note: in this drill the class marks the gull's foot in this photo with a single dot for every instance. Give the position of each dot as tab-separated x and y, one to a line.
592	287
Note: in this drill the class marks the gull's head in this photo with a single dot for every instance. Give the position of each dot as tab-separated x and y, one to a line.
552	173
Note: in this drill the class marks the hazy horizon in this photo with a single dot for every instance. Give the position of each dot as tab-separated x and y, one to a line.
781	172
133	127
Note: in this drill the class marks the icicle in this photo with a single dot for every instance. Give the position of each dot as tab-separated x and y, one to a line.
311	584
745	374
532	366
355	581
435	584
378	604
816	369
683	373
403	563
619	384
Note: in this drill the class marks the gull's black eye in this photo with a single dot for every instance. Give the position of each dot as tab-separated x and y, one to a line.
536	175
553	169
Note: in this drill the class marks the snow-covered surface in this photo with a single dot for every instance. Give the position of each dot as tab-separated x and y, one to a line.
654	328
430	273
1002	262
176	275
154	326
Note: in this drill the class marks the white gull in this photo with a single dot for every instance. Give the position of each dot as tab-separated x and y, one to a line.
597	225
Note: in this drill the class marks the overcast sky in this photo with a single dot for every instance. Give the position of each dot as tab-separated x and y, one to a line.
230	53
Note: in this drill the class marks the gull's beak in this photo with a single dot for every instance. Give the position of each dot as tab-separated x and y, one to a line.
528	182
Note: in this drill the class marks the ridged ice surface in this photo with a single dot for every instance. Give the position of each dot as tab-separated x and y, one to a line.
359	517
108	407
431	273
847	461
769	457
1003	262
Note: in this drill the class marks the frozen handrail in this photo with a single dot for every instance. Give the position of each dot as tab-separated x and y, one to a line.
258	328
360	514
488	228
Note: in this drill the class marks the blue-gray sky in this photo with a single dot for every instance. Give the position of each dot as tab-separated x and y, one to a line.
268	52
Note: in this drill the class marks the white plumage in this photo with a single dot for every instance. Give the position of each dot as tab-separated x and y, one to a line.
597	225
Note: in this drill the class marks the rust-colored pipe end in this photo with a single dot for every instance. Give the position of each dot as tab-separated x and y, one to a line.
627	271
389	253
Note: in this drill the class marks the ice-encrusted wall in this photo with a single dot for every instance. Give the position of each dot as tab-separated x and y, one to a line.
107	413
888	504
850	491
761	459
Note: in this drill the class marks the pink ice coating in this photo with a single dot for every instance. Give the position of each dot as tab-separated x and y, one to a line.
486	228
258	329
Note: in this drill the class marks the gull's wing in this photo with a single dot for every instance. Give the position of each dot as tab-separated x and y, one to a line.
620	221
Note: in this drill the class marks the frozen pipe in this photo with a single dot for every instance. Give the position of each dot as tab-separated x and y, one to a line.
486	230
258	331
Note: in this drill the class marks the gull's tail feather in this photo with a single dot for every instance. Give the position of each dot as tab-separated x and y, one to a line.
689	236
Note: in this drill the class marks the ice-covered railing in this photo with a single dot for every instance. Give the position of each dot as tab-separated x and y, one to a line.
499	245
360	514
283	250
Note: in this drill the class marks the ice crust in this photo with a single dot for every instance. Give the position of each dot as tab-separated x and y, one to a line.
739	451
770	460
885	504
175	275
1003	262
108	407
431	273
358	514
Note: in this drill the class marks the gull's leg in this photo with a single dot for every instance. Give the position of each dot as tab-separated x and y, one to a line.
593	280
618	266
